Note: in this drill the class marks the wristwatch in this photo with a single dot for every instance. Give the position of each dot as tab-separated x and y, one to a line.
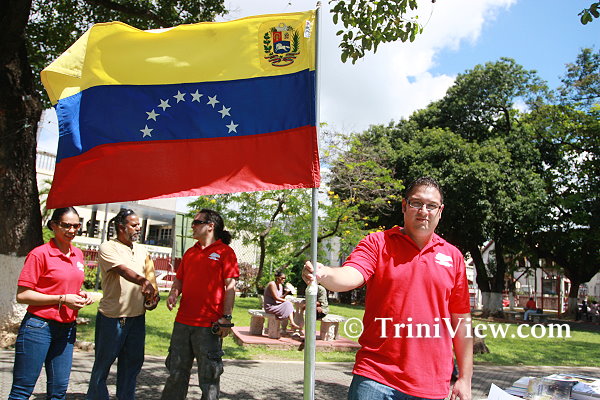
228	317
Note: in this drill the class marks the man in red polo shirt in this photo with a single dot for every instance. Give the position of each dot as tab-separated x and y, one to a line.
206	280
416	309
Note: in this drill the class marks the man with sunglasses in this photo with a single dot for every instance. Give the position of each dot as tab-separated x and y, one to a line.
206	281
417	306
120	322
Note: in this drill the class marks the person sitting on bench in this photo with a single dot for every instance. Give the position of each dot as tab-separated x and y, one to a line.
530	308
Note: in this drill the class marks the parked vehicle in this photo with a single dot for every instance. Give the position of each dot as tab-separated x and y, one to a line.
164	280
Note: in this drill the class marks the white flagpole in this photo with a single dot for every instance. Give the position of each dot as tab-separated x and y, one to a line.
311	291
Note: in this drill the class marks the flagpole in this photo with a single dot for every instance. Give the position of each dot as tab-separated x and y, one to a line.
311	291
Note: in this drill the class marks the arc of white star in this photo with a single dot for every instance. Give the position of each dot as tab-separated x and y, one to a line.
212	101
164	104
196	96
180	96
152	115
232	127
225	112
146	131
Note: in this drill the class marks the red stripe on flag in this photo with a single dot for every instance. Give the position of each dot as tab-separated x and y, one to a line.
142	170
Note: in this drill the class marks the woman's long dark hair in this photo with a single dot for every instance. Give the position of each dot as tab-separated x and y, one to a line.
58	213
119	220
217	220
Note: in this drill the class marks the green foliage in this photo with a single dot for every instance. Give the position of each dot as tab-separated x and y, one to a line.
588	14
473	142
47	234
43	193
581	83
89	281
481	103
568	136
367	24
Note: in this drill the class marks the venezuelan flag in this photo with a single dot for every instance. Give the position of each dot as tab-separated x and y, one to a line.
195	109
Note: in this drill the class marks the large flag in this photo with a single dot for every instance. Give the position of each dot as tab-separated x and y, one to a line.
195	109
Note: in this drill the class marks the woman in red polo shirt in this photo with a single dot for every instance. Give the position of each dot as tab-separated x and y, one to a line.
50	283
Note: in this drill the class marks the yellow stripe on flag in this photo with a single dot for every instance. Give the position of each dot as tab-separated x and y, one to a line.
115	53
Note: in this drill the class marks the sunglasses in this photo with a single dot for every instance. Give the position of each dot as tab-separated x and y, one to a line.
199	222
67	226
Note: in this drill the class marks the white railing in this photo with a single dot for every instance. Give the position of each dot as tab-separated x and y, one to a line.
45	162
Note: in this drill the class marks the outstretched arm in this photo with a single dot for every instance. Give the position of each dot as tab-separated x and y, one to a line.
335	279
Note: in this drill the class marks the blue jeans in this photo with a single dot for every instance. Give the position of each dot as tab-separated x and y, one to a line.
363	388
528	313
121	338
42	342
187	343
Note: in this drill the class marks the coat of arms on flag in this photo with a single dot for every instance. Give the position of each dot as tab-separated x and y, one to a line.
281	45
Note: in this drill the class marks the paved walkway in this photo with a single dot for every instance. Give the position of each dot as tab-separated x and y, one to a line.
254	380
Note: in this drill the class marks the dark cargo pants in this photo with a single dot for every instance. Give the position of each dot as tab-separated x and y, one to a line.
187	343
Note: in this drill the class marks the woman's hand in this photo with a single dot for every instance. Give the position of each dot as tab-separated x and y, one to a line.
88	298
74	301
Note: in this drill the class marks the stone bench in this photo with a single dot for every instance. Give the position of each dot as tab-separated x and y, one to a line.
539	318
330	327
514	315
257	323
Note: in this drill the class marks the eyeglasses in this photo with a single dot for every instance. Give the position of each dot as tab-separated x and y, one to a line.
67	226
418	205
199	222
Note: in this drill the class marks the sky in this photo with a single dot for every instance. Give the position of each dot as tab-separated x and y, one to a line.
401	78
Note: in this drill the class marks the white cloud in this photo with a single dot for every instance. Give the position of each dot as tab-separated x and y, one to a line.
395	81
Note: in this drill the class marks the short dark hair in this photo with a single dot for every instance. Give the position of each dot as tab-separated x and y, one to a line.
278	273
119	220
423	181
215	218
58	213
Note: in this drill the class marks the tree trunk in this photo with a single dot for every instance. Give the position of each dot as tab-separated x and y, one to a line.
482	279
492	303
572	305
261	260
20	110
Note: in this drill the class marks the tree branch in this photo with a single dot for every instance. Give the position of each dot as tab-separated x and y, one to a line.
136	12
320	238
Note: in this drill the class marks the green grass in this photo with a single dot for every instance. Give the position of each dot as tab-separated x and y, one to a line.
159	324
582	349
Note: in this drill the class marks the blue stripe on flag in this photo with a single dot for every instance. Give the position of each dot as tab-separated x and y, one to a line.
130	113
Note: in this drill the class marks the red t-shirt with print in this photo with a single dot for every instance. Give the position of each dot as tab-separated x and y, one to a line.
409	286
47	270
202	273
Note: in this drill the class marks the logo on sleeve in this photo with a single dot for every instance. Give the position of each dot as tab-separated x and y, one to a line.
79	266
443	259
215	256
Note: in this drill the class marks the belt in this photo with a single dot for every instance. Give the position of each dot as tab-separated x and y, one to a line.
51	321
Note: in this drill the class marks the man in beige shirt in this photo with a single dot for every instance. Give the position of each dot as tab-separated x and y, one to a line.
120	322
